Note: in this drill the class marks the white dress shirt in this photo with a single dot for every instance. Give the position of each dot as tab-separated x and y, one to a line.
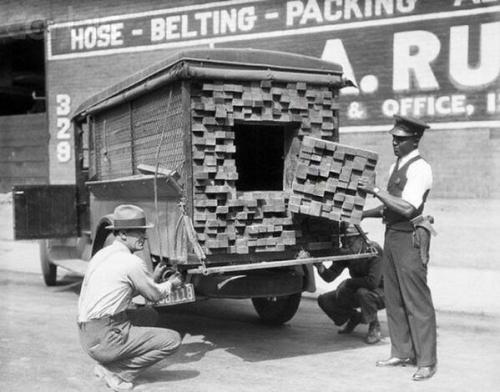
114	276
419	179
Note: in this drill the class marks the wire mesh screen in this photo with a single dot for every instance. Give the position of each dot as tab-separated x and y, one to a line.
157	123
131	133
112	143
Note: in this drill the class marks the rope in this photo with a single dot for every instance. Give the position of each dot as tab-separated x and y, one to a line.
184	228
155	182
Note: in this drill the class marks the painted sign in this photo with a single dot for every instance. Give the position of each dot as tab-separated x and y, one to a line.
432	59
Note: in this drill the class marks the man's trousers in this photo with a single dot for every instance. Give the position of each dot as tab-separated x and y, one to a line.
341	304
126	343
410	313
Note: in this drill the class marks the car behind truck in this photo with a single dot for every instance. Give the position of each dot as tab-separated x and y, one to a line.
232	154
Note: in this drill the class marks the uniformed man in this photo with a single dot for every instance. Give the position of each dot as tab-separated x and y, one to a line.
410	311
122	340
362	290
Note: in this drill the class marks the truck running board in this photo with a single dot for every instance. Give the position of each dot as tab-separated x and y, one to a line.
275	264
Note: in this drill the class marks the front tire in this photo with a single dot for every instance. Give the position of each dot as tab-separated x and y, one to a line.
277	310
49	270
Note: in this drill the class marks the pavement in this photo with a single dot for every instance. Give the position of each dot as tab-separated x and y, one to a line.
225	348
456	290
463	274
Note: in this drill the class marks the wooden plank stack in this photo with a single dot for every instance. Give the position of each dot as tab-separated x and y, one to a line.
228	221
326	180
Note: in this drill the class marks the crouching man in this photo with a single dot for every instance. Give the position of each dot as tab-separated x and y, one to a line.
122	340
362	290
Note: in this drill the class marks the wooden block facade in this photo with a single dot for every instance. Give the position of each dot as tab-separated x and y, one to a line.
232	222
326	180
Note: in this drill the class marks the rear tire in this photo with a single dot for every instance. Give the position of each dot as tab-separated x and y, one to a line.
277	310
49	270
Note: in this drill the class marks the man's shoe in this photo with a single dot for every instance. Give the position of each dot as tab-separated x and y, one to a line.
99	371
393	361
374	334
424	373
351	324
112	380
117	384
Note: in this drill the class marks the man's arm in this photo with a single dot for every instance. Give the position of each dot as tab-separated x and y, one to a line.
394	203
143	282
331	273
374	274
376	212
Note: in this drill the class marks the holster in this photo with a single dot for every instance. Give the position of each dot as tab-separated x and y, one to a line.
422	235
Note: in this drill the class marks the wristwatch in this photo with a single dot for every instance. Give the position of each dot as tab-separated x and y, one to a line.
376	190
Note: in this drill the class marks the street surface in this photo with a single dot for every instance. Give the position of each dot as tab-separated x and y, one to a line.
226	349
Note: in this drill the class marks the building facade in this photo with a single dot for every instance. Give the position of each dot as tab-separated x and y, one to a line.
432	59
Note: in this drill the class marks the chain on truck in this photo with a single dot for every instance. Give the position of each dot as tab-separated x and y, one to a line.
234	156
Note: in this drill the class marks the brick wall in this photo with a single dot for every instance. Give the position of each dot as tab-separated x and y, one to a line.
465	163
26	11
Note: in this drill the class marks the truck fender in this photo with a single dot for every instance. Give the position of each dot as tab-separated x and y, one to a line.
309	280
101	233
307	272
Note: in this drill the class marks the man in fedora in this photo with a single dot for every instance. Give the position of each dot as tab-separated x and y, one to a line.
362	290
122	340
410	312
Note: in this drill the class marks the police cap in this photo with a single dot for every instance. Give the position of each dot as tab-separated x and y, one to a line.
408	126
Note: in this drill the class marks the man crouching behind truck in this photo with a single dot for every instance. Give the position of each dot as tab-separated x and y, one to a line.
122	340
363	289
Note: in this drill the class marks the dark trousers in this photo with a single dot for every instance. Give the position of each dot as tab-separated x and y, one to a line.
341	304
410	313
127	343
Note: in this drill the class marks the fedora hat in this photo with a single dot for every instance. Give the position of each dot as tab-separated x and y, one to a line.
128	216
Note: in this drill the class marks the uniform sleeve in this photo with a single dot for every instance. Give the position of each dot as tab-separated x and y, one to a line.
142	281
372	279
419	181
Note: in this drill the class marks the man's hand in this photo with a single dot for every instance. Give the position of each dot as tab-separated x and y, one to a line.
175	280
319	266
158	272
367	185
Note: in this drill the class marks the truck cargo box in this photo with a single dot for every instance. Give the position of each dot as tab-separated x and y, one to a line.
230	124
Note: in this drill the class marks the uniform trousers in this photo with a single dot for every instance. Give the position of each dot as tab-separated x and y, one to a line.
126	343
410	312
341	304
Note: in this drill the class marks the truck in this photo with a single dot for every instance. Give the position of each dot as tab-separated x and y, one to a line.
233	154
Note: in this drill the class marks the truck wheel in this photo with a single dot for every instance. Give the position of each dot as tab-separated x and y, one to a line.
49	270
277	310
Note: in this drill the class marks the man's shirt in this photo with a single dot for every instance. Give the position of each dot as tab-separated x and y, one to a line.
114	276
419	179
